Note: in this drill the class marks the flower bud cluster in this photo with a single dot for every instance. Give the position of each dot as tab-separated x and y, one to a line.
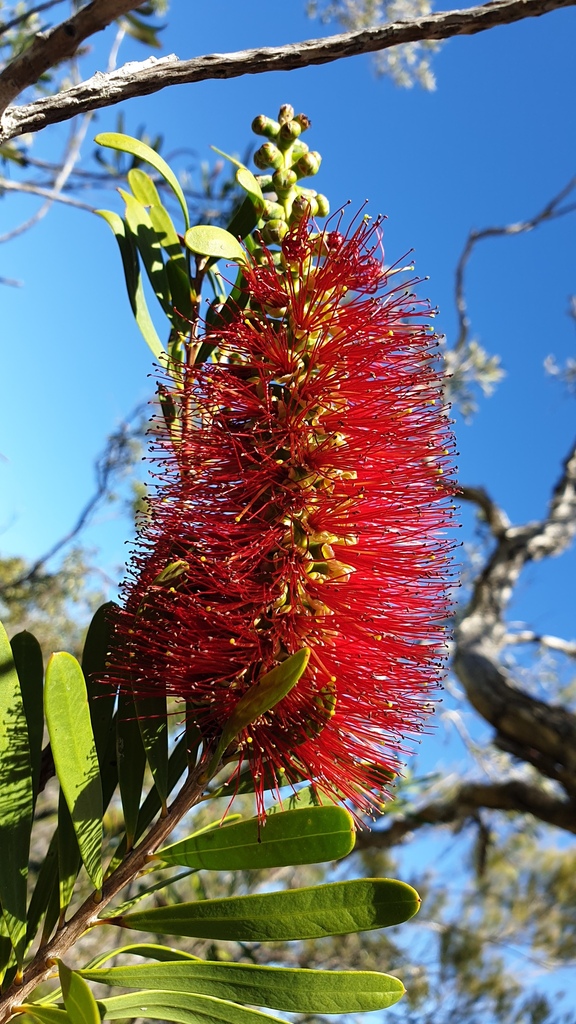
290	160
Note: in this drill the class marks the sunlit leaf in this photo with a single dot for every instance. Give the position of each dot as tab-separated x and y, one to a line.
75	758
80	1004
143	187
100	698
16	799
209	240
336	909
45	1014
131	763
153	722
69	858
138	220
46	881
270	688
127	144
150	950
148	890
295	990
27	656
183	1007
134	287
307	836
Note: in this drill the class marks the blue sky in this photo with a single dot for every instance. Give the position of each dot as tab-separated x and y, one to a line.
491	145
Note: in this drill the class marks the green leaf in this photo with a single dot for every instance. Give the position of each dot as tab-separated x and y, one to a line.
139	223
248	182
177	765
307	836
131	758
310	913
143	187
151	950
153	722
148	890
69	858
271	688
6	948
167	234
45	1014
27	656
46	881
16	799
75	758
295	990
101	698
183	1007
209	240
129	254
126	144
80	1004
180	290
244	220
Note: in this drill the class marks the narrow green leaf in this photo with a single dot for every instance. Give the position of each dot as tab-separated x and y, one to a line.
80	1004
336	909
167	234
131	763
281	988
148	890
151	950
307	836
183	1007
139	223
244	220
134	287
16	799
6	948
261	697
46	881
143	187
180	290
209	240
126	144
69	859
75	758
153	722
45	1014
177	765
101	698
27	656
248	182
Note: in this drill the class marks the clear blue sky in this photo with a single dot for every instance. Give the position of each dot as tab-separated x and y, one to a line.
491	145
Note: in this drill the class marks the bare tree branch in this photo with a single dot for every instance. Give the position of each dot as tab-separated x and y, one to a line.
515	796
551	210
495	517
553	643
21	19
44	193
541	734
58	44
143	78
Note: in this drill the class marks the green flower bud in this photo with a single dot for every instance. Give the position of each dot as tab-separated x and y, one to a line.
283	180
302	207
268	156
289	131
286	113
263	125
309	164
303	121
274	231
272	211
323	205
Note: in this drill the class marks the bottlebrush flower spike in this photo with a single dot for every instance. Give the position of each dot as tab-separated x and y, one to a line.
304	491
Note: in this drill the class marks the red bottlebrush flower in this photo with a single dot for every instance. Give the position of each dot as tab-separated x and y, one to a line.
302	501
